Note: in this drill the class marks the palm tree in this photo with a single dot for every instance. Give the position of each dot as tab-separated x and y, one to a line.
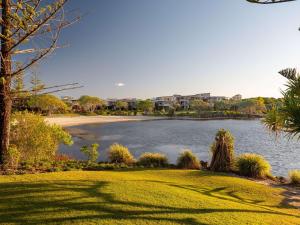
287	117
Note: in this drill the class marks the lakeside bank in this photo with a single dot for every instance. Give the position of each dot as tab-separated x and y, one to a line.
68	121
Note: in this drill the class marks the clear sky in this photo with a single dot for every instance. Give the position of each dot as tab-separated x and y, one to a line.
147	48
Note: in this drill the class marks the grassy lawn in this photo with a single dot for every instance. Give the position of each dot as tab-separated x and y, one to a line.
140	197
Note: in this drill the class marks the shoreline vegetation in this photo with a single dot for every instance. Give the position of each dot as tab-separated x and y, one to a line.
75	120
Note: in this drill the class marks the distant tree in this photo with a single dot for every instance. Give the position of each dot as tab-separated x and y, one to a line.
199	105
145	106
287	117
222	105
90	103
30	28
251	106
47	104
121	105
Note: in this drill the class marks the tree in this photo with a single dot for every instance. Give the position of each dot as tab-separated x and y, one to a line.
121	105
199	105
145	106
90	103
252	106
30	28
287	116
223	152
47	103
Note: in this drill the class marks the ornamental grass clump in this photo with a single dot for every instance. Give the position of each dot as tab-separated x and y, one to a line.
120	154
187	160
223	152
253	165
153	160
294	176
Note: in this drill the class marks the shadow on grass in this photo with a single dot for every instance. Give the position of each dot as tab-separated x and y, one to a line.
49	203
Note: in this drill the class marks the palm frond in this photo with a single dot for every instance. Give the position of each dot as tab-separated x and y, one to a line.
289	73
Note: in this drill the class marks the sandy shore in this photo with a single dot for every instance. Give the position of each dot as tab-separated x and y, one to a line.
80	120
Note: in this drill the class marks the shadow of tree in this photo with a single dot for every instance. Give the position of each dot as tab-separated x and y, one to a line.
49	203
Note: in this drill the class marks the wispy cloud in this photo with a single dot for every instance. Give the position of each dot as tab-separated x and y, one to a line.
120	84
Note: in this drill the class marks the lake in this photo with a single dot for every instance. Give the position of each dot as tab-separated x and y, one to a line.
172	136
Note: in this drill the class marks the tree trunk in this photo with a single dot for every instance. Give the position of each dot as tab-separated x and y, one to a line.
5	80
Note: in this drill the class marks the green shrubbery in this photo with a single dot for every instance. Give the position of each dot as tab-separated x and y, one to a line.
294	176
187	160
153	160
120	154
253	165
91	152
34	139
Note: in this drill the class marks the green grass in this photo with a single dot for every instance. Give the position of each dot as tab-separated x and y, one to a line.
141	197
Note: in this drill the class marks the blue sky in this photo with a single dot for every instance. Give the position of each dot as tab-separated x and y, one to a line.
164	47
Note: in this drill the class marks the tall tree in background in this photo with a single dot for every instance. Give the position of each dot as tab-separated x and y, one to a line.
29	28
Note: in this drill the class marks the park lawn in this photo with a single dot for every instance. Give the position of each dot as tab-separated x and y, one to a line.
141	197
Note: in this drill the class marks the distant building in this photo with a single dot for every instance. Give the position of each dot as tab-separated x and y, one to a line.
237	97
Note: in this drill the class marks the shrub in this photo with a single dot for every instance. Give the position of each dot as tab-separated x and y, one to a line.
153	160
187	160
295	176
34	138
13	158
223	152
253	165
120	154
91	152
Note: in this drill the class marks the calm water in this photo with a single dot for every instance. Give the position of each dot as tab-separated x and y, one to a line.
172	136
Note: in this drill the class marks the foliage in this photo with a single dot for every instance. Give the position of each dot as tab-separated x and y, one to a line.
153	160
34	138
121	105
145	106
90	103
252	106
253	165
91	152
187	160
223	152
286	118
47	103
13	158
120	154
199	105
143	197
294	176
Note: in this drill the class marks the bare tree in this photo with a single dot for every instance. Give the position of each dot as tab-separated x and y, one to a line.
29	32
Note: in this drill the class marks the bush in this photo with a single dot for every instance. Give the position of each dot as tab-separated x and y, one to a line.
295	177
13	158
34	138
223	152
253	165
120	154
91	152
153	160
187	160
